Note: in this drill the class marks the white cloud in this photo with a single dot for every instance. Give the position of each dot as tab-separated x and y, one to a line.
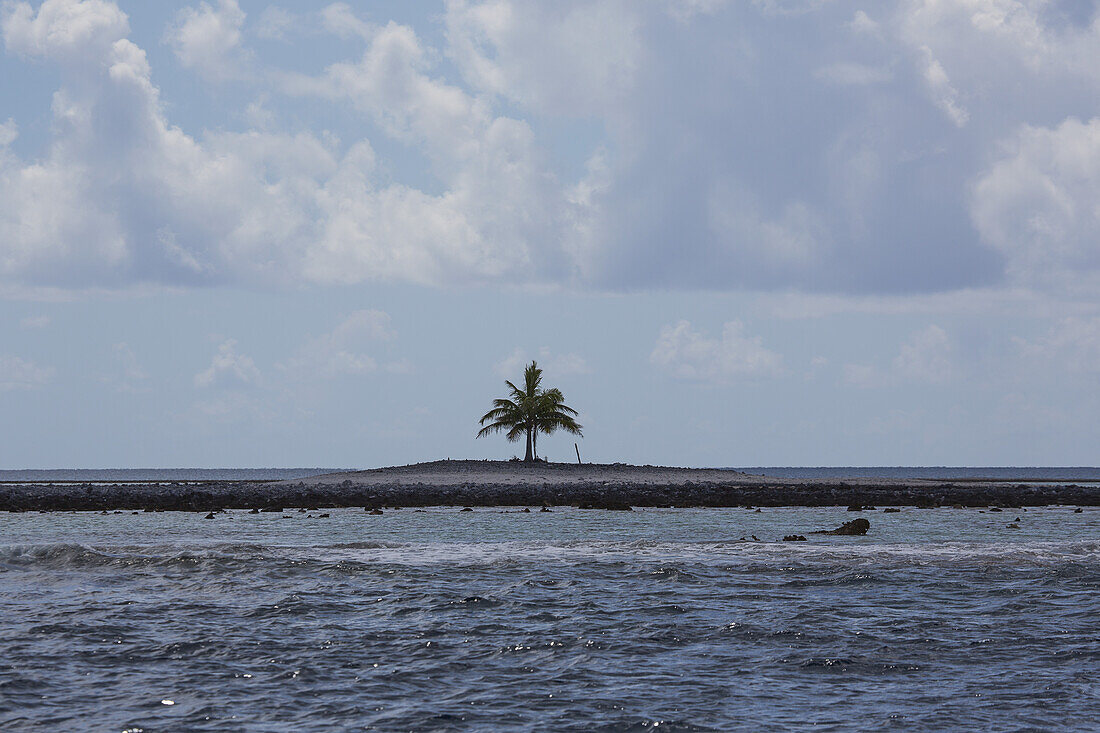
553	364
343	351
68	30
40	321
208	39
19	374
501	213
571	57
8	132
926	357
340	19
689	354
1038	204
944	95
228	369
130	376
1071	342
274	23
700	174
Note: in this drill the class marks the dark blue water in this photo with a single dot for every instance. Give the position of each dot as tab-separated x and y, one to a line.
1046	473
1001	473
160	474
938	619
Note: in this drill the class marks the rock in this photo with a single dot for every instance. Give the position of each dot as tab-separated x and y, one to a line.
375	512
323	516
852	528
545	509
794	538
1013	526
211	515
855	508
891	510
254	511
995	509
1078	510
467	509
272	510
1017	519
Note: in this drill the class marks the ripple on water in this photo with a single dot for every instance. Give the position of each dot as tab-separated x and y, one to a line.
430	628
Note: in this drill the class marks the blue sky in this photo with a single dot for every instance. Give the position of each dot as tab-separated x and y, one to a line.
735	233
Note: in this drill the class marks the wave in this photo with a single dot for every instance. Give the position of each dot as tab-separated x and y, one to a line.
663	560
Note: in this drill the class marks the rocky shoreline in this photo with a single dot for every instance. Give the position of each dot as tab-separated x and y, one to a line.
489	483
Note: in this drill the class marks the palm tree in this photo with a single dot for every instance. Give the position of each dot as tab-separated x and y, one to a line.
553	414
529	411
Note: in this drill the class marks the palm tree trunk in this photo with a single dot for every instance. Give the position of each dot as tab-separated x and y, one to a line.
530	447
535	441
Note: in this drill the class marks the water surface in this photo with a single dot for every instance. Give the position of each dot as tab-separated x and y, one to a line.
571	620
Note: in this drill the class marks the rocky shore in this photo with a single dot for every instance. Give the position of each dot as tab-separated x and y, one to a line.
506	483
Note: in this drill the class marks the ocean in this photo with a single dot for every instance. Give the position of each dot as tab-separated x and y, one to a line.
657	619
1004	473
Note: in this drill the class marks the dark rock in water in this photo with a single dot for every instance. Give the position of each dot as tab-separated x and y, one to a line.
1013	526
323	516
211	515
1078	510
467	509
756	511
254	511
272	510
526	510
995	509
852	528
1017	519
375	512
545	509
794	538
855	508
301	511
891	510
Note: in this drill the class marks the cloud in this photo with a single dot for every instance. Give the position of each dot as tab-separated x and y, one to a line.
131	376
275	22
605	145
1037	205
939	85
40	321
342	351
691	355
68	30
518	50
340	19
208	39
1072	343
927	357
553	364
228	369
17	374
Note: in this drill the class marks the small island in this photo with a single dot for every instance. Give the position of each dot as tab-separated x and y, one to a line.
536	484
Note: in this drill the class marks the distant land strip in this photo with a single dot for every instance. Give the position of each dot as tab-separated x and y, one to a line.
510	483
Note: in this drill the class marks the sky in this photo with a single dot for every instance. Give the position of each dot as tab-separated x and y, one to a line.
733	232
